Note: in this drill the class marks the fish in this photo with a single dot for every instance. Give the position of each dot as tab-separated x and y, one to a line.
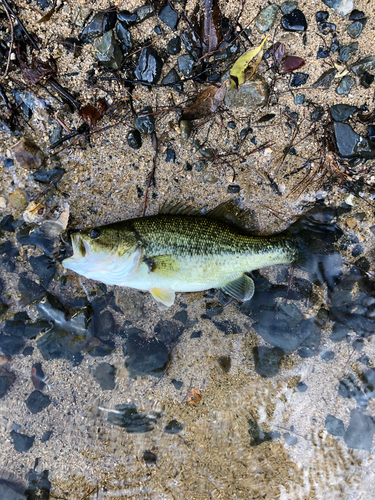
178	250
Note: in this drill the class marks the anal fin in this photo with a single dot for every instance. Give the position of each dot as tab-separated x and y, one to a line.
163	297
241	288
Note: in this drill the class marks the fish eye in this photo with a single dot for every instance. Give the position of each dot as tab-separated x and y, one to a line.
95	233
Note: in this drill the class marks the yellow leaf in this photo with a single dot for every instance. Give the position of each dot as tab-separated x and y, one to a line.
237	72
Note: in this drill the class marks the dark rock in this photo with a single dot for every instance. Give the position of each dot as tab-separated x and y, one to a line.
294	21
123	34
37	402
47	176
342	7
21	442
127	18
227	327
267	360
104	374
347	51
290	439
168	16
360	431
349	388
327	356
39	486
173	427
46	436
145	121
196	335
30	290
44	268
322	53
108	51
134	139
225	363
171	156
334	426
32	330
11	344
299	99
346	85
191	45
352	145
144	12
181	316
127	416
177	384
173	79
7	223
371	132
266	18
174	45
149	457
43	4
366	79
6	381
355	29
365	64
145	356
302	387
149	66
317	114
213	309
185	65
288	6
158	30
299	79
258	436
100	24
168	332
325	79
233	189
341	112
356	14
335	45
321	16
45	237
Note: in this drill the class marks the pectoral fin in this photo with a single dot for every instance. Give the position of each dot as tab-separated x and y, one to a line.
241	288
162	264
163	297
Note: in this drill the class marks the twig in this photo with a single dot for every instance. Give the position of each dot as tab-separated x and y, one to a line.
33	43
11	45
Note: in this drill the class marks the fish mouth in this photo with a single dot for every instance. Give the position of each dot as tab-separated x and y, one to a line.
81	251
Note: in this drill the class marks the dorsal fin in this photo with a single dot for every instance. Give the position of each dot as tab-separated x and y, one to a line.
230	213
169	207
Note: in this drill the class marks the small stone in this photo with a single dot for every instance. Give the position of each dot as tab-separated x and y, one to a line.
299	79
317	114
294	21
365	64
351	222
107	51
252	94
144	12
302	387
335	45
355	29
266	18
145	356
21	442
232	125
267	360
46	436
158	30
37	402
171	156
173	79
341	112
6	381
127	18
356	14
213	309
334	426
3	203
360	431
321	16
185	65
342	7
134	139
104	374
326	28
173	427
346	85
322	53
123	34
352	145
149	457
18	199
168	16
186	127
347	51
233	189
100	24
299	99
149	66
47	176
371	136
327	356
290	439
145	121
30	290
44	268
366	79
225	363
174	45
288	6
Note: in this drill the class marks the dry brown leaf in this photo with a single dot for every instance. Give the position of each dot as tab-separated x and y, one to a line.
212	25
193	396
206	103
28	154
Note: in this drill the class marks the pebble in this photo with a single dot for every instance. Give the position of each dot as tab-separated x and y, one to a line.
37	402
365	64
173	427
371	132
134	139
168	16
128	417
346	85
105	374
181	316
356	14
6	381
299	79
127	18
107	51
288	6
185	65
290	439
341	112
291	63
227	327
266	18
322	53
173	78
168	332
355	29
360	431
267	360
30	290
294	21
149	66
347	51
327	356
171	156
342	7
21	442
299	99
145	121
186	127
3	202
44	268
352	145
146	356
252	94
366	79
100	24
144	12
124	36
334	426
233	189
47	176
302	387
174	45
28	154
321	16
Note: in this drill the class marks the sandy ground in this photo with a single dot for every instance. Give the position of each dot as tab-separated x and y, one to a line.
211	457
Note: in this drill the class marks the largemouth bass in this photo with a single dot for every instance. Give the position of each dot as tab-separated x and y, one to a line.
177	252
